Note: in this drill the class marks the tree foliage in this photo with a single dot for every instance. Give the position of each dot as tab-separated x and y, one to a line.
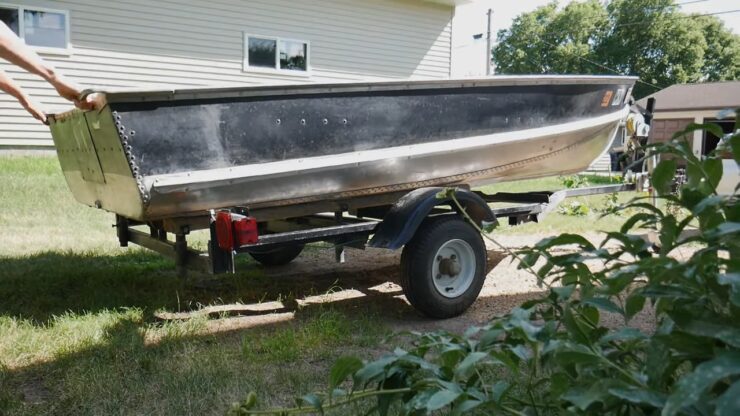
648	38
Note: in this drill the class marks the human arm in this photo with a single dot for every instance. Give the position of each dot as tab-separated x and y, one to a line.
16	52
9	86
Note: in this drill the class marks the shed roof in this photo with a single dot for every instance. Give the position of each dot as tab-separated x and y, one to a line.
703	96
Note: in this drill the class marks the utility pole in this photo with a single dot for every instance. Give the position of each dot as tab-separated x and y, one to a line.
488	44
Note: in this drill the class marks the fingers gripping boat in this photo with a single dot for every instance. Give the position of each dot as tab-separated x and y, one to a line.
283	154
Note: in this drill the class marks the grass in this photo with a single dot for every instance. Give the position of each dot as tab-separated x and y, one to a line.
80	331
556	222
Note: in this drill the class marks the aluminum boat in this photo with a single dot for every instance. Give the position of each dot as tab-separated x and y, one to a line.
149	155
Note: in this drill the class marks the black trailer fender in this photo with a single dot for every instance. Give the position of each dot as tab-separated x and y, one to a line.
401	222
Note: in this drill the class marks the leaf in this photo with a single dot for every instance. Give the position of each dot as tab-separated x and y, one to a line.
692	127
466	367
466	406
713	168
575	328
638	396
633	305
499	390
666	291
604	304
343	368
735	144
373	369
441	399
583	397
250	401
503	358
520	318
564	292
624	334
564	240
312	400
732	279
705	375
490	337
662	176
641	217
520	351
717	330
724	229
728	404
570	353
559	384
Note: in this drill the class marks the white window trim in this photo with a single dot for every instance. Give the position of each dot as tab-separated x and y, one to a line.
67	50
276	70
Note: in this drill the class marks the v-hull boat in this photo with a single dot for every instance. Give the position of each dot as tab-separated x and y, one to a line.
150	155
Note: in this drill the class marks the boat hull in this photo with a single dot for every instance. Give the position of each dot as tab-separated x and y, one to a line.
153	155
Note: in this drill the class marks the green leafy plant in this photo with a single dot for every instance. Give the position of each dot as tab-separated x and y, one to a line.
574	208
556	354
573	181
611	205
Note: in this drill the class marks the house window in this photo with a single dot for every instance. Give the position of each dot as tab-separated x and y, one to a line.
42	28
284	55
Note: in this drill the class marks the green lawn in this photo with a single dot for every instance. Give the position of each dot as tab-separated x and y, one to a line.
79	327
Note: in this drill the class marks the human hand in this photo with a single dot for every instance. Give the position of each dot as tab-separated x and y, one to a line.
33	108
70	91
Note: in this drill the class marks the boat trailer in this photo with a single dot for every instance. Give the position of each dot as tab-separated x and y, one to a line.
431	231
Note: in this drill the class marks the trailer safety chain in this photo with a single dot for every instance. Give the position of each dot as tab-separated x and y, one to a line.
121	129
450	192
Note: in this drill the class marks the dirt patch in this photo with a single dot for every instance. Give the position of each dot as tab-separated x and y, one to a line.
368	282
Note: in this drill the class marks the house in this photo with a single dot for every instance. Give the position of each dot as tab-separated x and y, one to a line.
190	43
681	104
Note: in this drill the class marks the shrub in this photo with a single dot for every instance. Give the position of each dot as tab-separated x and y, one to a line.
555	354
573	181
574	208
611	205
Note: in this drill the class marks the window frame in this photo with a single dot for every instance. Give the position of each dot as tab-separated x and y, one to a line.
276	70
66	50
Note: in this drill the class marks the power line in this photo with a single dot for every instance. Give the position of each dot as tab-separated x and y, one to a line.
689	2
655	86
602	66
690	16
687	16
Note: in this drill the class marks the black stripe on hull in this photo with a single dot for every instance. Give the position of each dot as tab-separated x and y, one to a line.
189	135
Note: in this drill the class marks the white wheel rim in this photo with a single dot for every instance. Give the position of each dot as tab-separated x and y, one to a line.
453	268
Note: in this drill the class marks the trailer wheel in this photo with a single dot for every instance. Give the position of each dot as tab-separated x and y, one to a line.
278	256
443	267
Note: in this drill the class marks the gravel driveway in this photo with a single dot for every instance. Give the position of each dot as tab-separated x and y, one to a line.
368	280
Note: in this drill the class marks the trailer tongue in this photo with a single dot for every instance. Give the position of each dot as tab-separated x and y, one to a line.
256	165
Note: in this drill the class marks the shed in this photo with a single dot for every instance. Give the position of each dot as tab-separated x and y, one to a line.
681	104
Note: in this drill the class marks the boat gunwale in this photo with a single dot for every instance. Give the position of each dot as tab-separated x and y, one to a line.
226	92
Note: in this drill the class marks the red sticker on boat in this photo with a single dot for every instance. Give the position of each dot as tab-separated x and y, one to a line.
607	98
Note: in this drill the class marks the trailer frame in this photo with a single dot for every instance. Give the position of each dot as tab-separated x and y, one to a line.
343	231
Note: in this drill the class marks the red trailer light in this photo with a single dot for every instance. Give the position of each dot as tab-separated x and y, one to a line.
245	231
224	233
234	230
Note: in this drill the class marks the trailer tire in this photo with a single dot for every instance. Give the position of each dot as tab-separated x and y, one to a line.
443	267
278	256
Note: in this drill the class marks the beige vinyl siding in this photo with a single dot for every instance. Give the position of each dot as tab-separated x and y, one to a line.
188	43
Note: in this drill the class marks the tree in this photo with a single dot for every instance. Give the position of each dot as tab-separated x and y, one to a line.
648	38
722	56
